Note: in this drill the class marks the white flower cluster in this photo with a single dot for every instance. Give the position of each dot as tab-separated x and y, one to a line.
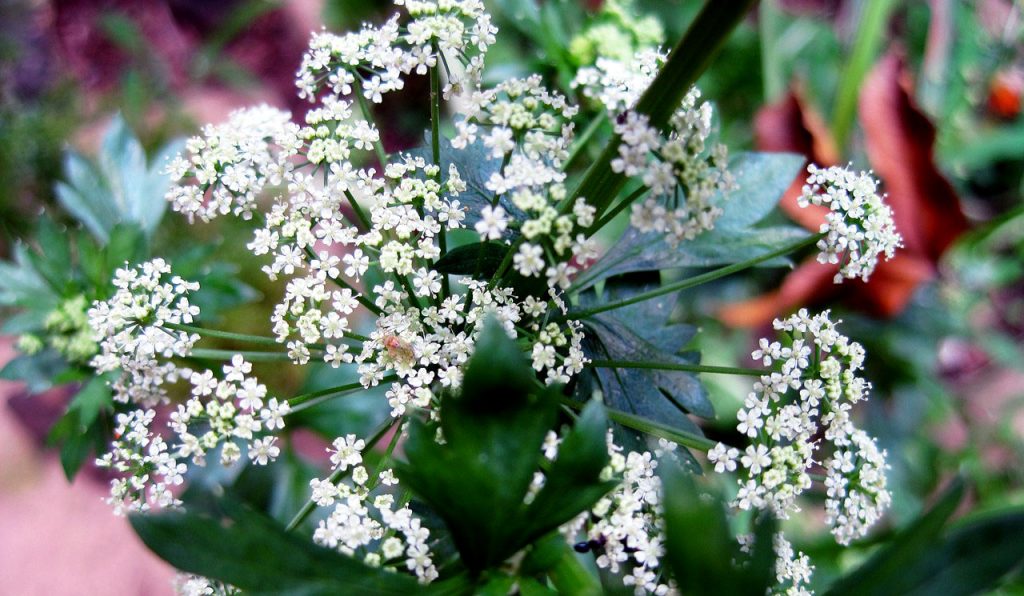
132	330
374	60
231	163
186	584
808	400
859	227
368	524
221	410
218	412
335	220
625	529
147	466
530	129
682	172
793	569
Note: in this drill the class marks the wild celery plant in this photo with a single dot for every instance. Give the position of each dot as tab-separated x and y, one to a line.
394	265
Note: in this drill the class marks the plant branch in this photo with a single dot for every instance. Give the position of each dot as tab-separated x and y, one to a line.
694	281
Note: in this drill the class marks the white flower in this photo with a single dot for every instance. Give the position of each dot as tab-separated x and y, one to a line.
858	228
492	223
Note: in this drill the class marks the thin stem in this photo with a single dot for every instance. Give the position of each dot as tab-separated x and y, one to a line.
337	475
696	280
695	368
435	148
245	337
610	215
770	21
360	214
308	400
583	140
206	354
364	107
656	429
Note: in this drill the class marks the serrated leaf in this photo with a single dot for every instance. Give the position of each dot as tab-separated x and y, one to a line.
252	552
86	196
480	258
493	431
636	391
762	180
120	188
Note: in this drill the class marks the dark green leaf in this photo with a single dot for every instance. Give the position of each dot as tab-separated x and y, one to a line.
700	549
127	244
250	551
613	339
571	484
970	558
480	259
493	431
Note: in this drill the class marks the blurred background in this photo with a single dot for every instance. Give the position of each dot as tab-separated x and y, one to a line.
927	94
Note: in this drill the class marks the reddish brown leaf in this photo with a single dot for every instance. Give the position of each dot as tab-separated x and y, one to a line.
900	140
791	125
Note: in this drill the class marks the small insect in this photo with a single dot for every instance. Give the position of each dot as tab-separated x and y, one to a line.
399	349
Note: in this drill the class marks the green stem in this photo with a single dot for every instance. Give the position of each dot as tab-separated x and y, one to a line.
206	354
688	60
244	337
583	140
870	36
364	107
610	215
308	400
656	429
696	280
770	20
435	148
337	475
360	214
695	368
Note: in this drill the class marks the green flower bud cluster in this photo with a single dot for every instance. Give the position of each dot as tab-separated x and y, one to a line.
615	33
66	330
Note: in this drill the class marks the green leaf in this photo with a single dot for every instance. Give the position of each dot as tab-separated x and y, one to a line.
53	262
970	559
127	244
36	371
613	339
570	486
762	179
79	431
22	285
86	196
121	188
700	549
252	552
481	259
493	431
